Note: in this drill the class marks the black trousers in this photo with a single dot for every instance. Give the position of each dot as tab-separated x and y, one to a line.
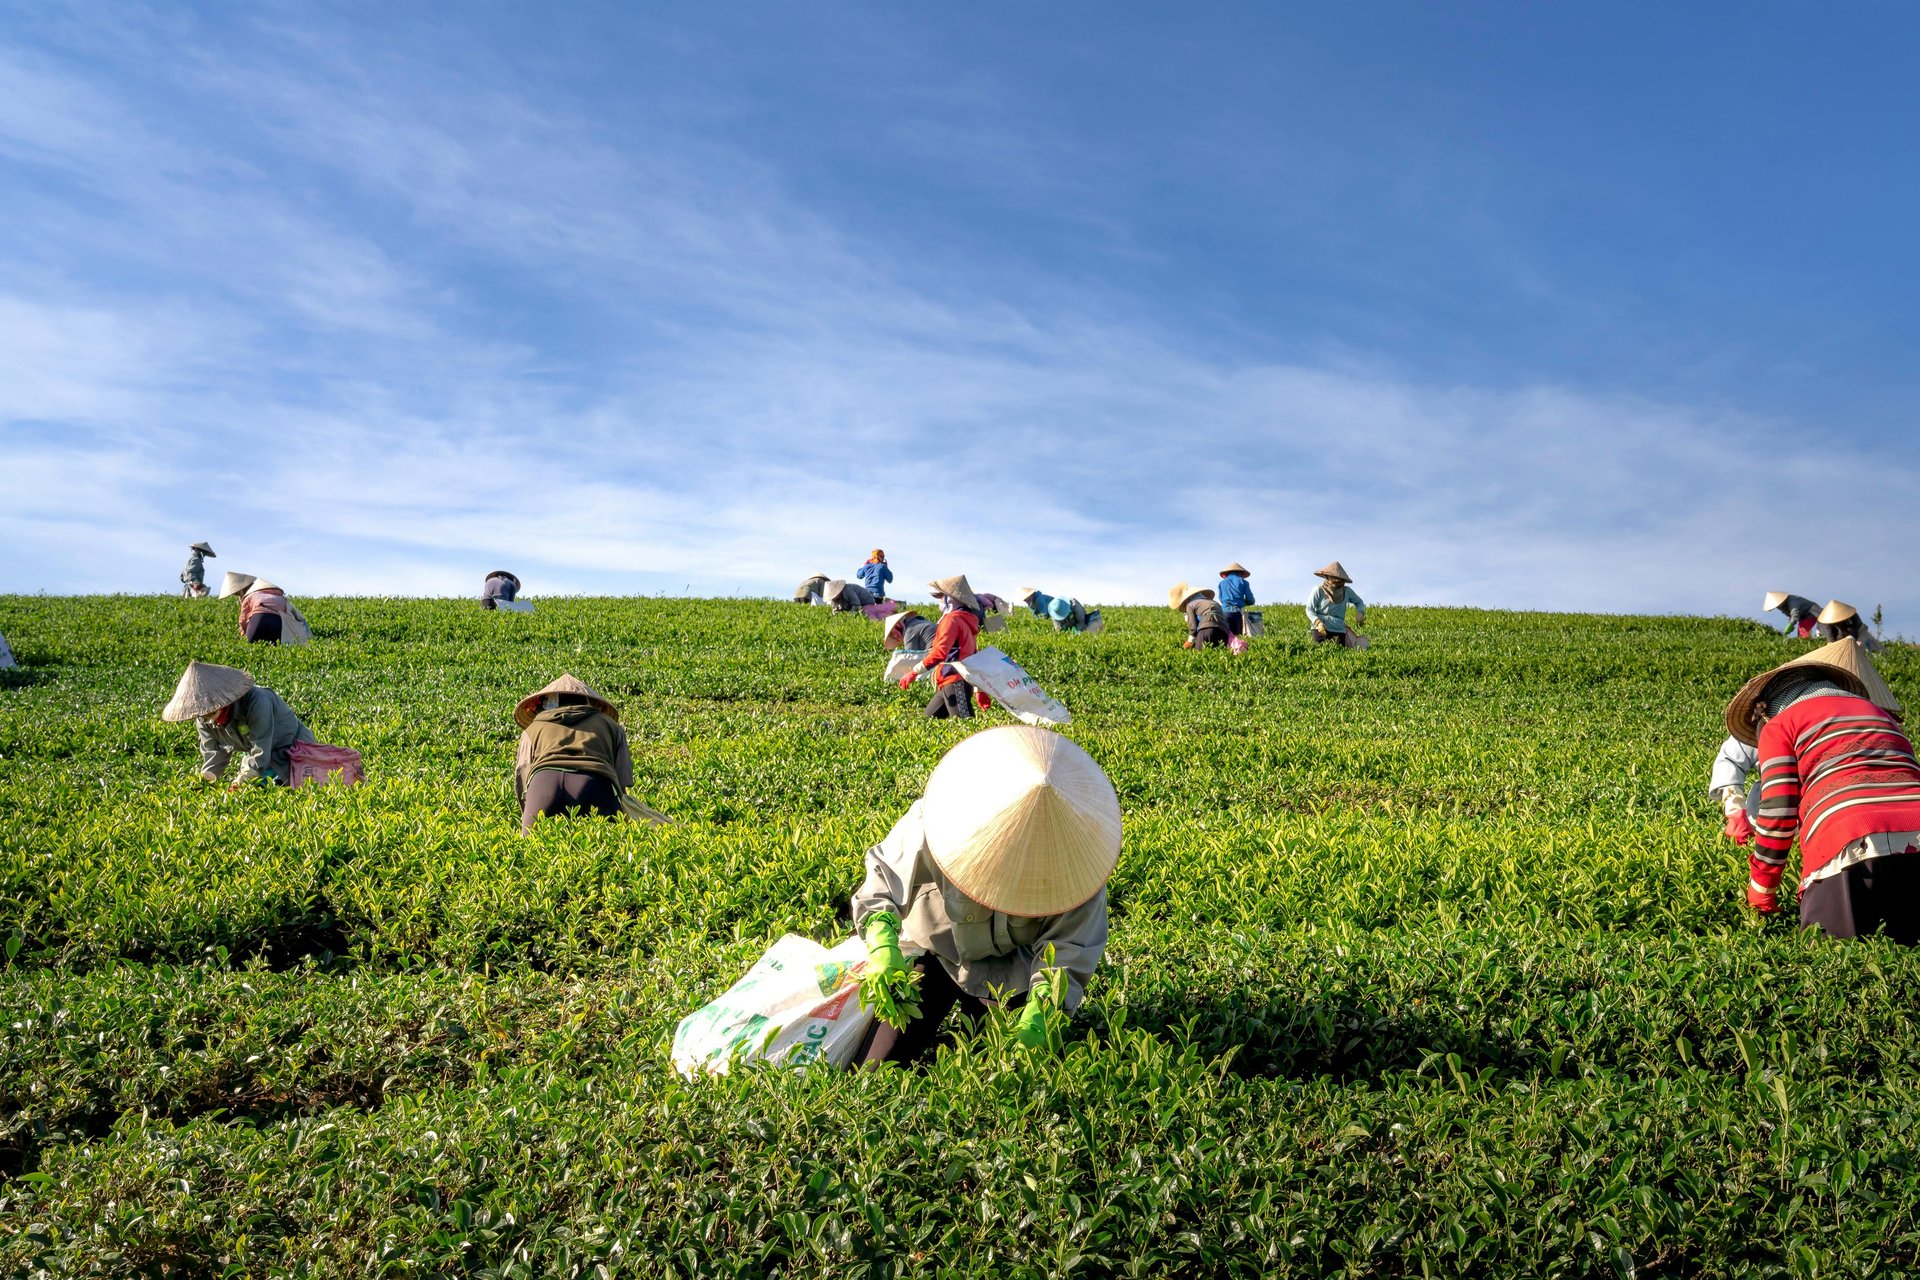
1210	638
263	628
938	997
954	702
563	793
1235	622
1880	894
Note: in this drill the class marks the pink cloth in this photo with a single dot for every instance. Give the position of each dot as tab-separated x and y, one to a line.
318	763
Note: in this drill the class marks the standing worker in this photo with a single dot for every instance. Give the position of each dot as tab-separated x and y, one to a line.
1206	622
999	874
573	756
955	638
1327	608
1800	611
1236	597
193	578
1838	773
1841	621
233	714
875	574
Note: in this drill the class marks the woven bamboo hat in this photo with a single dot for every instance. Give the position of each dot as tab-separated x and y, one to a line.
1838	611
1334	570
1028	593
530	705
958	588
203	549
890	627
234	584
204	688
1845	661
510	577
833	589
1773	600
1237	567
1178	597
1022	821
261	584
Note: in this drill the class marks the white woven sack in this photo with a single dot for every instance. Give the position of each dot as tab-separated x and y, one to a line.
902	662
798	1005
1001	678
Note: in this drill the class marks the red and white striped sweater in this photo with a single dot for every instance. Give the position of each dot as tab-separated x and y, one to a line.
1833	768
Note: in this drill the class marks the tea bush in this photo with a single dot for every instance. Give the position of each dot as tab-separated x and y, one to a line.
1427	960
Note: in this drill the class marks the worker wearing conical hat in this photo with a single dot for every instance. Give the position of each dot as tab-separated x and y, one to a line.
1838	774
1236	596
235	716
1800	611
907	631
1004	858
1327	607
1841	621
499	588
812	589
846	597
1206	621
573	756
875	574
955	638
193	578
266	615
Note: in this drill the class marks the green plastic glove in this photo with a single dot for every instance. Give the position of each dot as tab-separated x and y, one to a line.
1035	1028
883	942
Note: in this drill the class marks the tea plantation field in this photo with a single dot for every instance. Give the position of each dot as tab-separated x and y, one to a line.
1426	961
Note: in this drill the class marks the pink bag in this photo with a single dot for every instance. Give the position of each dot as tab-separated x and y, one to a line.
318	763
1238	644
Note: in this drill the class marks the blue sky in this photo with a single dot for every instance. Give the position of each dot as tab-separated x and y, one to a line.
1544	306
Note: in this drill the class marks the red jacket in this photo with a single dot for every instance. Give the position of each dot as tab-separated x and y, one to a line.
1833	768
957	636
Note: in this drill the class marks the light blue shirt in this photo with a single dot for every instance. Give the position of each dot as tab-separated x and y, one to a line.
1330	610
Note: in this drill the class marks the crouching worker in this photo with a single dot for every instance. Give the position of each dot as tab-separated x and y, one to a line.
1206	622
236	716
1006	856
573	756
1838	773
266	615
500	588
1327	608
908	632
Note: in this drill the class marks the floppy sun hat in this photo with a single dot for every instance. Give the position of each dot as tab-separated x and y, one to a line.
1335	571
204	688
1773	599
1059	609
530	705
1838	611
234	584
1022	821
1845	661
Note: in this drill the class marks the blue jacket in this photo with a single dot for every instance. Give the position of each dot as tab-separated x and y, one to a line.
876	575
1235	594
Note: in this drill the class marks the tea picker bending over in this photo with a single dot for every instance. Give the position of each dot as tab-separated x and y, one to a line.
1004	858
1206	623
1327	608
1837	773
1800	611
500	588
193	578
233	715
573	756
812	590
1841	621
1065	613
846	597
266	615
907	631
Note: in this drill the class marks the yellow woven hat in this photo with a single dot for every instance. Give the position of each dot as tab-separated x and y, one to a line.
530	705
1838	611
204	549
1846	661
234	584
1334	570
204	688
1178	597
957	588
1237	567
1022	821
1773	600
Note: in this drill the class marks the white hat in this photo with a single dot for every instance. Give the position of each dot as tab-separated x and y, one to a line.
1177	597
890	627
1773	600
234	584
204	688
1838	611
1022	821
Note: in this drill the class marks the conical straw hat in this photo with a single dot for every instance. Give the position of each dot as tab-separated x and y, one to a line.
1022	821
890	627
1838	611
1846	661
261	584
1027	593
1336	571
1773	600
203	549
1237	567
1178	597
204	688
832	590
234	584
957	588
530	705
